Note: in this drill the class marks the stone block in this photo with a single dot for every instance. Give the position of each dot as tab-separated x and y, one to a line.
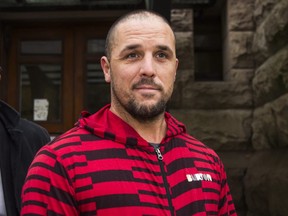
271	79
218	129
183	77
240	15
271	35
182	20
266	183
244	76
262	9
270	125
217	95
241	50
184	50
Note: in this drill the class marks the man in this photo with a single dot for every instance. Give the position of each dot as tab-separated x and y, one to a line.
131	157
19	141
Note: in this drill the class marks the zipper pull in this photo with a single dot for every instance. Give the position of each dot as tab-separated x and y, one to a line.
159	155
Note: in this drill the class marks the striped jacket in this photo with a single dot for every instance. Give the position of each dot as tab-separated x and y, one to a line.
103	167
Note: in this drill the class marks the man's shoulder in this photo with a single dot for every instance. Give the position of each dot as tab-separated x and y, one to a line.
199	147
71	138
30	128
27	124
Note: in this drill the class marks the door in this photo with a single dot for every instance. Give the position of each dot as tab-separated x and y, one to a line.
54	72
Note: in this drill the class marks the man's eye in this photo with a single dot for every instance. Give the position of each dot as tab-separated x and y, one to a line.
132	55
161	55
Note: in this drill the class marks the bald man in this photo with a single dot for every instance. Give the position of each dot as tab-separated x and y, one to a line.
131	157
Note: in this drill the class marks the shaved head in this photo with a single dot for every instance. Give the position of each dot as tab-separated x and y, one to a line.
134	15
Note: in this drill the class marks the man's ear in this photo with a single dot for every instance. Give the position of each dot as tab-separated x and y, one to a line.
176	68
105	64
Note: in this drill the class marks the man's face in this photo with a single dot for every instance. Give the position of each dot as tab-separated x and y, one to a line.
142	67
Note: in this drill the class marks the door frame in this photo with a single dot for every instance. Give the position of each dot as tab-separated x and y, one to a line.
74	36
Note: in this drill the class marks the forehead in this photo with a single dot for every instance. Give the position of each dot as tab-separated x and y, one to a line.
143	28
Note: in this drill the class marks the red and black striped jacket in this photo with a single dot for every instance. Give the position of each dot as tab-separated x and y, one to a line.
103	167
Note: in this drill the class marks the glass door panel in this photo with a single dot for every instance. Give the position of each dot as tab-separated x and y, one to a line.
96	46
97	90
41	76
40	89
41	47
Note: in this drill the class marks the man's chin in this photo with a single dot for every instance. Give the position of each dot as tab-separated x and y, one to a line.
146	112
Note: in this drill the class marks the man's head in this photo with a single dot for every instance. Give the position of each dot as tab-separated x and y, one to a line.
140	64
138	14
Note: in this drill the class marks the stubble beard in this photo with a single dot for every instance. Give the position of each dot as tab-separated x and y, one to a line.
140	111
145	113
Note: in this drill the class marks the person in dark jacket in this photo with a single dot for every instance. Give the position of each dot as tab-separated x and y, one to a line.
20	139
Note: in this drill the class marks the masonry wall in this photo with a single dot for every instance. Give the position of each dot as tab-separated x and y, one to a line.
244	118
266	180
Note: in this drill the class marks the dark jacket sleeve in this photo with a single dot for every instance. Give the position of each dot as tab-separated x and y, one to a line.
28	138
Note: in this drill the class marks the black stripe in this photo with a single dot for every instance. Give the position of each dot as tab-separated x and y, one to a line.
67	145
212	213
222	202
211	190
106	154
110	136
31	214
131	141
61	195
111	175
185	186
192	208
140	169
33	202
38	177
77	164
151	193
113	201
47	153
81	189
52	213
89	137
181	162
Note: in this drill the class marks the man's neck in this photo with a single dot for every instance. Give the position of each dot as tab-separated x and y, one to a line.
153	131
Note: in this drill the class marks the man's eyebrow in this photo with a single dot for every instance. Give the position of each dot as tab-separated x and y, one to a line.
130	47
164	48
135	46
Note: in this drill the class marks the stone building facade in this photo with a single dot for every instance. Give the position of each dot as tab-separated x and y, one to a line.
244	118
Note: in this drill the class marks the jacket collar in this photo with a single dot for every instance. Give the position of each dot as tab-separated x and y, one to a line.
107	125
8	115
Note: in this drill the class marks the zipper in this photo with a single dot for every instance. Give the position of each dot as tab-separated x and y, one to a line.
163	173
159	154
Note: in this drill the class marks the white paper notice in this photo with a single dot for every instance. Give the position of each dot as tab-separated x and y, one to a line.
41	107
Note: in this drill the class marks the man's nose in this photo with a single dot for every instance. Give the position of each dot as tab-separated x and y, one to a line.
148	66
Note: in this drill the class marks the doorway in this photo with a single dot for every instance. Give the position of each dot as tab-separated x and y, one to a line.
54	72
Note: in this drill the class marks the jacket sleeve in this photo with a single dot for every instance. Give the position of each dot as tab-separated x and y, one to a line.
226	205
27	138
48	189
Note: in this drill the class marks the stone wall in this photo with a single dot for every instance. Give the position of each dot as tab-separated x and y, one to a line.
266	180
244	117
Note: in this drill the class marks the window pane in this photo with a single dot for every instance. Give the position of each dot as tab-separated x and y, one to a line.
208	52
96	46
208	66
41	92
97	90
41	47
